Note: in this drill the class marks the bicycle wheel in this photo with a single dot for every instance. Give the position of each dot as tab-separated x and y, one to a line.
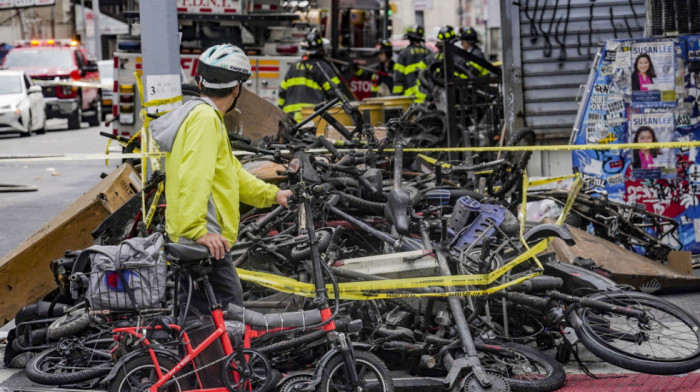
56	366
525	369
140	374
370	370
510	172
667	342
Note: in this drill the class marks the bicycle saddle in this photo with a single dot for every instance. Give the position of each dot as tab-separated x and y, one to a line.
186	252
396	210
302	318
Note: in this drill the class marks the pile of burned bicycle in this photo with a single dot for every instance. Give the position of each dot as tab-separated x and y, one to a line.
391	270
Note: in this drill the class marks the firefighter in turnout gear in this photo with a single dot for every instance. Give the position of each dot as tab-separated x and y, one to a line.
381	74
445	37
470	40
304	85
434	63
409	63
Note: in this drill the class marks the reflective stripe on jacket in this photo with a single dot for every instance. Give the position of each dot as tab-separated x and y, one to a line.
304	86
406	68
205	182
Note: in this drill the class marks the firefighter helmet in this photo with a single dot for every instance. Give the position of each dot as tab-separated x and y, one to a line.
223	66
385	46
446	33
469	35
415	32
313	42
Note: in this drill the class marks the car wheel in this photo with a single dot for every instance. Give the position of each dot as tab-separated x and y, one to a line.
94	120
42	129
76	118
29	128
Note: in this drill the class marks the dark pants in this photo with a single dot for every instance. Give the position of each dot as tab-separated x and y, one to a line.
224	280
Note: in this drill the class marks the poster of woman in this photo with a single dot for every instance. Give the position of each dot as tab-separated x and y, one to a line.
651	128
643	73
653	74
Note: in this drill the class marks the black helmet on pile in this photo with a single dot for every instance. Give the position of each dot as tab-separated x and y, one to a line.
446	33
313	42
415	32
469	35
385	46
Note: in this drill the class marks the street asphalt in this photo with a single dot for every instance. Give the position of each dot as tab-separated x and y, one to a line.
59	182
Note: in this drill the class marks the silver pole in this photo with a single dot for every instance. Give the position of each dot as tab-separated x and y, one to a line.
98	34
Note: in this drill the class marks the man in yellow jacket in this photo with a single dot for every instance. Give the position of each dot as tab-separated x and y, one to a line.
204	181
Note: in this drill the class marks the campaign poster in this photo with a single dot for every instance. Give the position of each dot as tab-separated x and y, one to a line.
651	163
653	74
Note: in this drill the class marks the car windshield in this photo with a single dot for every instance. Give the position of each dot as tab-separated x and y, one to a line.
10	84
55	58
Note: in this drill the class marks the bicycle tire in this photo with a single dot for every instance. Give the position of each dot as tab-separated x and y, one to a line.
142	369
38	372
364	361
69	324
605	334
510	172
521	366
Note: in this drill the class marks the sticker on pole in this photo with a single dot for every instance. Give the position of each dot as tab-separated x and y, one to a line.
162	87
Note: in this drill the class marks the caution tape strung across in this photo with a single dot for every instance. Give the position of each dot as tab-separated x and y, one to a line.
369	290
631	146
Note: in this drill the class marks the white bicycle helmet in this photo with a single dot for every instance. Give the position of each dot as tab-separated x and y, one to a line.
223	66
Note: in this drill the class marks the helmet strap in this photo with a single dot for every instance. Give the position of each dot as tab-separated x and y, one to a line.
235	100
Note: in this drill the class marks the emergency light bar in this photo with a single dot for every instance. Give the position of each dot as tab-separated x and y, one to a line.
46	42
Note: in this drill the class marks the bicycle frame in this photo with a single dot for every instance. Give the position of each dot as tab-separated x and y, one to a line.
218	334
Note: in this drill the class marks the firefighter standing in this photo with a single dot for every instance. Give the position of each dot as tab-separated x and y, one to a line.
445	37
382	77
304	85
409	63
470	40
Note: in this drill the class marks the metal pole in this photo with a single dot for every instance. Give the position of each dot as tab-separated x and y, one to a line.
53	22
335	25
98	33
385	33
160	46
82	11
21	23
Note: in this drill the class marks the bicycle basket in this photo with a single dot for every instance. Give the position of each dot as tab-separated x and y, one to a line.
128	276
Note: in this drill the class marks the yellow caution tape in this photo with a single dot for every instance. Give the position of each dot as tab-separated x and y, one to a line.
368	290
71	83
550	180
565	147
575	188
75	157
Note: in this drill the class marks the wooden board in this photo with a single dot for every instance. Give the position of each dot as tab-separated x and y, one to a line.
256	117
626	267
25	271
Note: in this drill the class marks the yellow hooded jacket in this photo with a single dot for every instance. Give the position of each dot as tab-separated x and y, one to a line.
205	182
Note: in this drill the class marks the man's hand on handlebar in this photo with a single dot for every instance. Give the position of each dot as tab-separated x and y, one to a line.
282	197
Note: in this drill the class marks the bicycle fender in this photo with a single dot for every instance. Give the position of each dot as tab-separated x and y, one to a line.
547	230
318	371
132	355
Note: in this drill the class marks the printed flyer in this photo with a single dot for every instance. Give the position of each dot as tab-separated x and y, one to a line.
651	128
653	74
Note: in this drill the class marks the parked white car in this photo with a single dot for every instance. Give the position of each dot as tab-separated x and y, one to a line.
22	107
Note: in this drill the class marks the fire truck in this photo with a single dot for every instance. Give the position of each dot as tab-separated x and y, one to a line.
269	33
